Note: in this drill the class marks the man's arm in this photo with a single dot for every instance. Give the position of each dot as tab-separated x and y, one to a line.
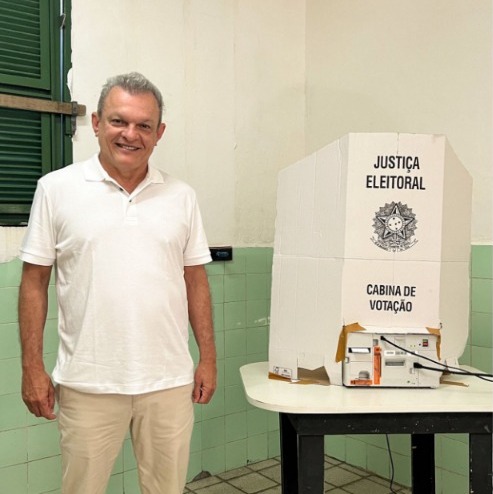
38	391
200	315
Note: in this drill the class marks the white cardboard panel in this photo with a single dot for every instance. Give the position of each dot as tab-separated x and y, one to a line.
325	258
411	218
457	208
391	294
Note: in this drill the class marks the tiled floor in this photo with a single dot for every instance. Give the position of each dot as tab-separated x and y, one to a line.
264	477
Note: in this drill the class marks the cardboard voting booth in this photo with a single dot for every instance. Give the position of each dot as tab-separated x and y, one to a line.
373	230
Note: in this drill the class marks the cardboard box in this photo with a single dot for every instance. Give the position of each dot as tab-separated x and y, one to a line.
372	229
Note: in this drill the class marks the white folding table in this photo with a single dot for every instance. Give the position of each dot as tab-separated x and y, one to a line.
309	412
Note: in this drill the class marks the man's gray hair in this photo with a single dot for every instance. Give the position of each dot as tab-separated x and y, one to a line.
133	83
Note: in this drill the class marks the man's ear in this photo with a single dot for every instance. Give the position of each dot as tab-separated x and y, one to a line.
95	122
160	130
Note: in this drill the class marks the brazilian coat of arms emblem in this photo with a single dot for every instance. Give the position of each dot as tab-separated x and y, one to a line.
394	226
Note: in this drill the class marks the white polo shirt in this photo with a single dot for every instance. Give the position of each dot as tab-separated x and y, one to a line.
123	316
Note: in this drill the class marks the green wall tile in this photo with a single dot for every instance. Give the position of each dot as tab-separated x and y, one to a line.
218	317
13	447
257	313
234	287
273	421
454	455
194	465
482	261
335	446
257	421
10	376
129	462
238	264
219	340
10	273
257	286
215	408
236	454
258	357
9	341
14	479
118	465
482	295
235	426
482	359
259	260
402	469
234	315
451	483
215	268
235	343
257	447
43	441
214	460
356	452
232	370
482	329
213	432
50	336
234	399
115	484
400	443
131	482
216	286
8	305
13	413
274	443
378	460
44	475
196	442
52	303
257	339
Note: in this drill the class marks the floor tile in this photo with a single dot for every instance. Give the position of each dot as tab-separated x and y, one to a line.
252	483
366	485
340	476
221	488
264	477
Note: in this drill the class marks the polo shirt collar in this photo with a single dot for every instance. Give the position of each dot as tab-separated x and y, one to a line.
94	172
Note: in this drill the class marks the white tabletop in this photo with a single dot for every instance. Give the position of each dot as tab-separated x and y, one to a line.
279	396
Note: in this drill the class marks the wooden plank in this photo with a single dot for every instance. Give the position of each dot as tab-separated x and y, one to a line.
42	105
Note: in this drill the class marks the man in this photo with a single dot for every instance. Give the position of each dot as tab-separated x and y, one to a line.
129	248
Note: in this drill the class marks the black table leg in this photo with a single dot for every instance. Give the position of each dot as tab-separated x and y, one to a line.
423	463
289	453
480	464
311	464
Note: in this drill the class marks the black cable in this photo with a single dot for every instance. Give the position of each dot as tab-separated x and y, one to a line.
392	470
481	375
445	366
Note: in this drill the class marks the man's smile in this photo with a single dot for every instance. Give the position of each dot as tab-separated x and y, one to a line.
127	147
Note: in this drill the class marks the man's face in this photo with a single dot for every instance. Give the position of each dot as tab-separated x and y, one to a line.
127	132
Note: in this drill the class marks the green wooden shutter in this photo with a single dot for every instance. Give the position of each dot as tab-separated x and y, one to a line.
25	43
24	147
32	143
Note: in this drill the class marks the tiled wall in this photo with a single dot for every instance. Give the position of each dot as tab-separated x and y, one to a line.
228	432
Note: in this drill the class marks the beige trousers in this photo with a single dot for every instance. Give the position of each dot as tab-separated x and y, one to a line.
93	427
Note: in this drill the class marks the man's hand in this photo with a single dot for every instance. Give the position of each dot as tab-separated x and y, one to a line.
38	393
205	383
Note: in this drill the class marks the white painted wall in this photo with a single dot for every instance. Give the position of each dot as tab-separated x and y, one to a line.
253	85
232	75
422	66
